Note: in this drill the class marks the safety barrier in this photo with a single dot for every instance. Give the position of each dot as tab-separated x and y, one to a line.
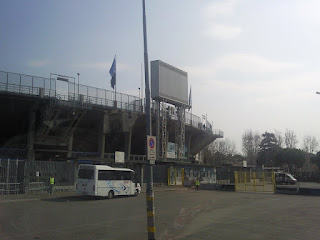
255	181
36	188
9	188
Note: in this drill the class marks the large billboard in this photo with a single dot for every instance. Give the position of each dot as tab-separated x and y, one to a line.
169	83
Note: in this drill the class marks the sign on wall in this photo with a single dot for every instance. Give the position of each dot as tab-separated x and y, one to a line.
119	157
171	151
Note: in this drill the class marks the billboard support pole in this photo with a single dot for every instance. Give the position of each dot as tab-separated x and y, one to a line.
149	171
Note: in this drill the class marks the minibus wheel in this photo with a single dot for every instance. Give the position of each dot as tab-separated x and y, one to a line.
110	194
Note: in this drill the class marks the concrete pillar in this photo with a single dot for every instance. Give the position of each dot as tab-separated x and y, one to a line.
141	181
75	165
69	154
104	128
128	138
31	135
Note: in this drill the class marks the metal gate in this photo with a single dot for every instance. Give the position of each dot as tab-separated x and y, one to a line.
254	181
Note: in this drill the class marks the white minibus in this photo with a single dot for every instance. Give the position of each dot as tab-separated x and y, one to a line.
106	181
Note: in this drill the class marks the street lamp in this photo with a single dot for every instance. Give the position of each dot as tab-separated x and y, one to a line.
78	84
139	93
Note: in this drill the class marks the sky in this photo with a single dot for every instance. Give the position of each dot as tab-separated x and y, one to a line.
251	64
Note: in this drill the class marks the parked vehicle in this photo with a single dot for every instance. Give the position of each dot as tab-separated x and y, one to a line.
106	181
283	178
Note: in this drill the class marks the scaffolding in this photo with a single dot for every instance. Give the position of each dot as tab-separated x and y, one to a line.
180	134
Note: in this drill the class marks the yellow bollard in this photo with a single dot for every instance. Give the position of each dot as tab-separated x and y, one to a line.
175	176
245	181
274	181
236	181
182	176
254	181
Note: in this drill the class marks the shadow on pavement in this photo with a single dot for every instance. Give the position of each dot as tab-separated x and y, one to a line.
78	198
70	199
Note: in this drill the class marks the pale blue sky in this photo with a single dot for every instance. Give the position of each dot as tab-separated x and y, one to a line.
252	64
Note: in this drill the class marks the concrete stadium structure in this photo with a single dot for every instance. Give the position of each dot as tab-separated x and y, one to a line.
55	118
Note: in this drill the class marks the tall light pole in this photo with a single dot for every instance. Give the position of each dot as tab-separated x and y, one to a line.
78	85
149	171
139	93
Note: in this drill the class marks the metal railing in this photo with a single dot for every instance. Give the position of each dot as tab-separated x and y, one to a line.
37	188
137	158
9	188
67	93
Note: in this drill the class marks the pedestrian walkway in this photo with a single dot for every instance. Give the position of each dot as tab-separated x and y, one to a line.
32	197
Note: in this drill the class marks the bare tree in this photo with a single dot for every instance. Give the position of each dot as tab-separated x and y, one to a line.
221	150
290	139
251	145
310	144
225	147
279	138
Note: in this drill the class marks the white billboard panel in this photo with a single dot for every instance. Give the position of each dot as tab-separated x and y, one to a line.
169	83
171	151
119	157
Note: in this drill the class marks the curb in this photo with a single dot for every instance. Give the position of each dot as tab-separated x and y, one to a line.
56	194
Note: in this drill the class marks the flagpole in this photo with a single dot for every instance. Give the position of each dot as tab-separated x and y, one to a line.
191	100
142	102
115	84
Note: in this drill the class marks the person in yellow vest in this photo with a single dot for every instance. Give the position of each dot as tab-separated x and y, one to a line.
197	184
51	183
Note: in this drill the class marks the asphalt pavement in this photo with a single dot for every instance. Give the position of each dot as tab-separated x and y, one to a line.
181	213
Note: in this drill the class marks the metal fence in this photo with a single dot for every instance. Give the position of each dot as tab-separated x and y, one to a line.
63	90
19	176
255	181
40	171
10	175
36	187
225	178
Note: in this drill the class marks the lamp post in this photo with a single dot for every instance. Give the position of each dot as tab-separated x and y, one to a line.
139	93
78	84
149	171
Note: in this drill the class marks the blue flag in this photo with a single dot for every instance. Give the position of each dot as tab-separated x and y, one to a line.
112	72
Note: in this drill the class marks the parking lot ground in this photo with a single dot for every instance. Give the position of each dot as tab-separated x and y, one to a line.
181	214
313	185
